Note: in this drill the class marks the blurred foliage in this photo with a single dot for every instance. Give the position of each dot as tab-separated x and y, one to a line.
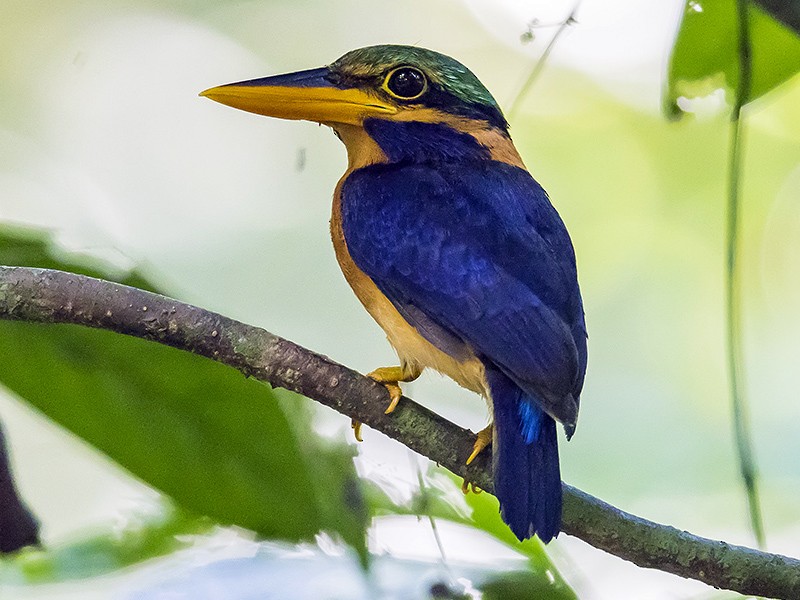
733	45
105	551
706	56
216	442
641	198
438	497
522	585
18	526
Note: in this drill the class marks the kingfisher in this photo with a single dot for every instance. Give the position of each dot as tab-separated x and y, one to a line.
453	248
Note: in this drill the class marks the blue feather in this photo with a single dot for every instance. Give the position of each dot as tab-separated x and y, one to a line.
418	142
527	477
530	418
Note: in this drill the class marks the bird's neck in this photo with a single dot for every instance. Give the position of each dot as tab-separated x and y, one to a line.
421	142
414	141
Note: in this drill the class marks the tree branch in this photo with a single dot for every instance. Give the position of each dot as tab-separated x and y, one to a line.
45	296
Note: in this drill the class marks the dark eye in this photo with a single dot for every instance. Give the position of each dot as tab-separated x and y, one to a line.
406	83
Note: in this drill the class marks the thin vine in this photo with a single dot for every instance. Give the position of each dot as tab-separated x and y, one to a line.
739	407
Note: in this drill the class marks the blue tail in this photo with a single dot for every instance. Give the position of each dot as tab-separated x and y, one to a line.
527	478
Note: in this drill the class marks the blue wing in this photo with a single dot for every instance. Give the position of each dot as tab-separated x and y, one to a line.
475	254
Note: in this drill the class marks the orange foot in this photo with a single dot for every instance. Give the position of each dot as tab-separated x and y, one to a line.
468	486
483	439
389	377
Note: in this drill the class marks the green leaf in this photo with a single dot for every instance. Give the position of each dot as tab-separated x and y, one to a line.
523	585
339	491
439	497
706	57
148	537
486	515
217	443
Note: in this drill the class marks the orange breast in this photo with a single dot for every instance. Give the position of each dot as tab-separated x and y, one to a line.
413	349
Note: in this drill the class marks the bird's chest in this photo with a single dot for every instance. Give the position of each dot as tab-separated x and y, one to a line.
412	348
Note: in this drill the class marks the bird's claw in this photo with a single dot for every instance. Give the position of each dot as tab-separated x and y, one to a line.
468	486
356	425
483	439
389	377
395	393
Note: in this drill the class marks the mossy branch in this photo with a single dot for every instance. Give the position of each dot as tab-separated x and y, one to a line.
46	296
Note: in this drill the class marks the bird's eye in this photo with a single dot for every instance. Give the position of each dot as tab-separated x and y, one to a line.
406	83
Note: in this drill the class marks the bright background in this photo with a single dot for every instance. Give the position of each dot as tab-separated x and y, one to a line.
104	142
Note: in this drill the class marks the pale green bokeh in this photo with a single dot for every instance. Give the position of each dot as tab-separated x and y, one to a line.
104	141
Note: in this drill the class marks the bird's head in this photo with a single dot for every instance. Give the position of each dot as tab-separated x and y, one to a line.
388	82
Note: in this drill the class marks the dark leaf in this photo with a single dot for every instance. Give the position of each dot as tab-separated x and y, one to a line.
18	526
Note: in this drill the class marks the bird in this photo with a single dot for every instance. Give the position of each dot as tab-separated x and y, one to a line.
453	248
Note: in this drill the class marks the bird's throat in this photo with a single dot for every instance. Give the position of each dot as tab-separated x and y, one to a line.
382	141
422	142
362	150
